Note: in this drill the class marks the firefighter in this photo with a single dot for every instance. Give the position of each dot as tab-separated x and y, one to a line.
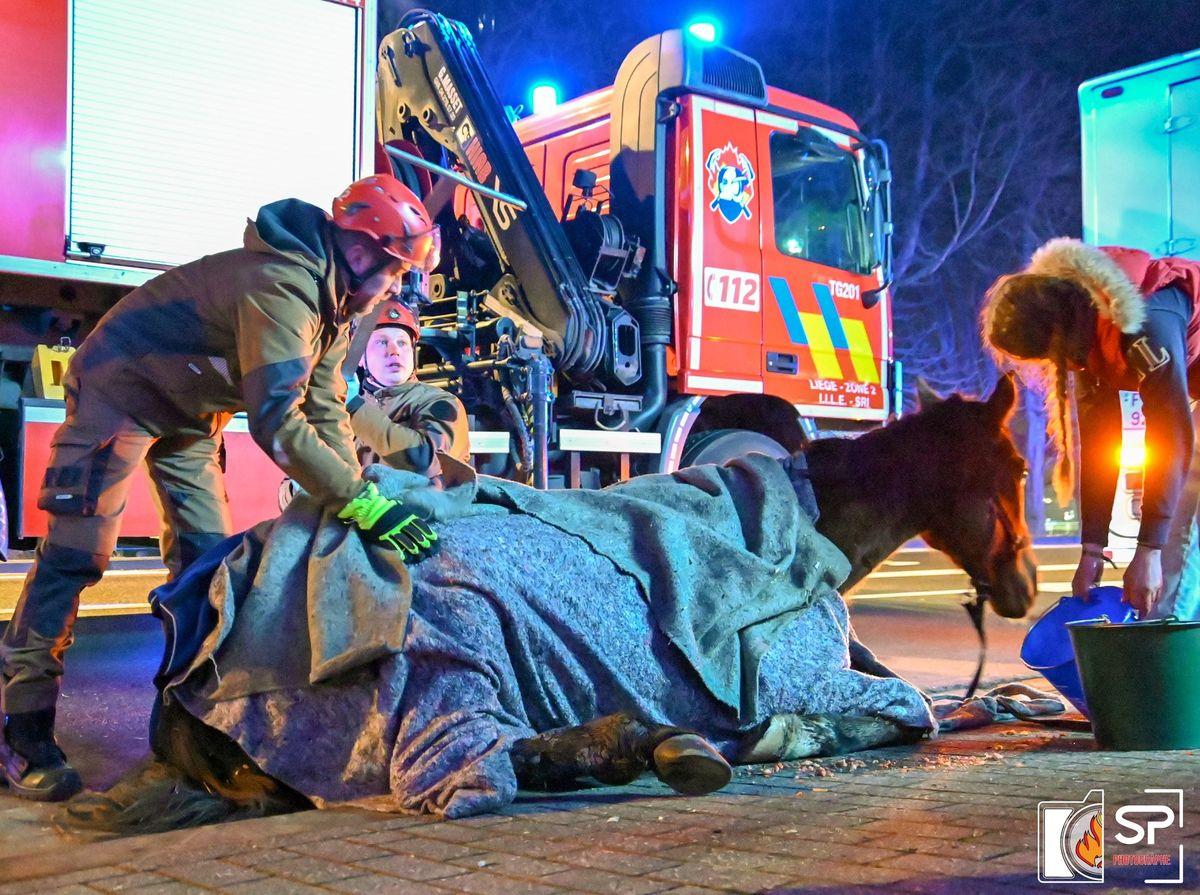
261	329
397	420
1120	320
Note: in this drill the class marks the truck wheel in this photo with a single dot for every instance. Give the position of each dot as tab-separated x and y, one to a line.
719	445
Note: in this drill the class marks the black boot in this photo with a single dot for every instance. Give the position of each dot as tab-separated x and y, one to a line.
33	765
614	750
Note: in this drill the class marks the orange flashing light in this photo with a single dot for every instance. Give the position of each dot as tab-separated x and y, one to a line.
1132	453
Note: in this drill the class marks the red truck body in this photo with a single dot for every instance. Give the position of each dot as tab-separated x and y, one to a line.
771	297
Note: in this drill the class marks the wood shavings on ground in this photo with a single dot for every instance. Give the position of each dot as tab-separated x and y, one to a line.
829	767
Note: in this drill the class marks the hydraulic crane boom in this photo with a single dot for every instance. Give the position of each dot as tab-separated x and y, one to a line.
430	73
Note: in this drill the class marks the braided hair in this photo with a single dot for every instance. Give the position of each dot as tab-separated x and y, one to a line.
1040	325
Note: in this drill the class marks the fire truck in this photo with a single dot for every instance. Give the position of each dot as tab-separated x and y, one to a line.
681	267
1141	188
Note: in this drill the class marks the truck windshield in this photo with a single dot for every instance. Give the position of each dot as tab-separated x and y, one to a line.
819	212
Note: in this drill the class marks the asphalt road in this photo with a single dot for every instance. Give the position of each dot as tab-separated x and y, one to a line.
122	591
908	613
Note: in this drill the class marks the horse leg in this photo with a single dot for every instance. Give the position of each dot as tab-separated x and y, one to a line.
787	737
196	775
615	750
865	661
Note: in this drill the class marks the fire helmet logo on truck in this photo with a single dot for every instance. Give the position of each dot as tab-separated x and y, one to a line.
731	181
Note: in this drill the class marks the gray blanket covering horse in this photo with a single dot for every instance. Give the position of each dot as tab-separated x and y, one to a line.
703	599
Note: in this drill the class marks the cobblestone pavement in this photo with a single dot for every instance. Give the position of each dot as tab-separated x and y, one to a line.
958	814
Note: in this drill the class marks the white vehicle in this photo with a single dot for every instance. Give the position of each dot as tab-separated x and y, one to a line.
1141	188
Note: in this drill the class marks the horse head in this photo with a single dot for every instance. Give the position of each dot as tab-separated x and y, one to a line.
977	516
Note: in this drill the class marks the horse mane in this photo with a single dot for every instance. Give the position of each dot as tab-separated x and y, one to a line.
913	442
881	488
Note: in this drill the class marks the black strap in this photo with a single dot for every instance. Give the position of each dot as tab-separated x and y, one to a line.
974	607
360	335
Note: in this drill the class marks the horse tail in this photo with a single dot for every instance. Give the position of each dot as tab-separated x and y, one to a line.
196	776
154	797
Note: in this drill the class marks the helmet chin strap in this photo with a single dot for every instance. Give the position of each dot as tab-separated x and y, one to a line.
355	281
369	383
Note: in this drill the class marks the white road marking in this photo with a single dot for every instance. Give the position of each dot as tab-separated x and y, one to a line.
1050	587
111	573
921	573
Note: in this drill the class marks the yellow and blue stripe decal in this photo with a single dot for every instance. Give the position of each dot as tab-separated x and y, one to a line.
825	333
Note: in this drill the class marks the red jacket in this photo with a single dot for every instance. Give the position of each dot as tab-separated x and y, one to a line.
1106	361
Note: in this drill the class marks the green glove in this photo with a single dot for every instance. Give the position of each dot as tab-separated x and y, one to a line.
390	523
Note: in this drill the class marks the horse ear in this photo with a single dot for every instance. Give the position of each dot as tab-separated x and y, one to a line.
1003	399
926	396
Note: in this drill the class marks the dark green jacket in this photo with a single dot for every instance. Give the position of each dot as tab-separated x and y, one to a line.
262	329
406	426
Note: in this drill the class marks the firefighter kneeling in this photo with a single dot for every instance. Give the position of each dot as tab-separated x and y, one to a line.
261	329
397	420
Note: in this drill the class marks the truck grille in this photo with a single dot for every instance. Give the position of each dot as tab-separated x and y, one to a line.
733	73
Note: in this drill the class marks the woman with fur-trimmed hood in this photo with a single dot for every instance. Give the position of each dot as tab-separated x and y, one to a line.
1119	319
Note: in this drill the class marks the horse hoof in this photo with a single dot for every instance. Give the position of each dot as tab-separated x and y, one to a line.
89	810
690	765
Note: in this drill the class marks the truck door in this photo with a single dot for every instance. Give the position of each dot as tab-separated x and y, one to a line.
1184	130
823	350
718	219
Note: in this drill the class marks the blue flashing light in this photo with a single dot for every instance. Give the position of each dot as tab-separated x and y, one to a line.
705	30
545	98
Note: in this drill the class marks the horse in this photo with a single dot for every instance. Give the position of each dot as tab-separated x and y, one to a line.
949	473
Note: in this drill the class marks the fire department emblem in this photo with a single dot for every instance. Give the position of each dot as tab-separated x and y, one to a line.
731	181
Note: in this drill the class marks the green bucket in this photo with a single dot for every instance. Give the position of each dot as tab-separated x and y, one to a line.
1141	681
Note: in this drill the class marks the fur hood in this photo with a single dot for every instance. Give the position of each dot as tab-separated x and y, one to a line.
1103	274
1113	294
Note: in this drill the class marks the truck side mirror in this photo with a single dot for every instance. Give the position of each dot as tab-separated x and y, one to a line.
881	209
584	181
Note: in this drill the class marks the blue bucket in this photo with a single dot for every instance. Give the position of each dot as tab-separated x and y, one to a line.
1047	647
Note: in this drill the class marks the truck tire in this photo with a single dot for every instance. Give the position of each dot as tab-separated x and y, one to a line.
720	445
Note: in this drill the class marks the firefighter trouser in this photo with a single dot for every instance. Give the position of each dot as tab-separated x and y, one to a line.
93	458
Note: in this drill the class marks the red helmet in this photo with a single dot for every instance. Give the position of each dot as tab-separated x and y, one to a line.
394	313
390	213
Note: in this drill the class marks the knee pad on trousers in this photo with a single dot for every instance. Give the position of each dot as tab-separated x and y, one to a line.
69	563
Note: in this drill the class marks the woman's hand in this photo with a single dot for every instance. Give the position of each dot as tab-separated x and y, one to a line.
1091	567
1144	579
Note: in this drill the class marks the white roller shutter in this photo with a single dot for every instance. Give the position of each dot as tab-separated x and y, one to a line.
1185	169
187	115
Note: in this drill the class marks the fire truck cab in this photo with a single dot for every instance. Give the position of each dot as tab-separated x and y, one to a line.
734	238
777	229
775	222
